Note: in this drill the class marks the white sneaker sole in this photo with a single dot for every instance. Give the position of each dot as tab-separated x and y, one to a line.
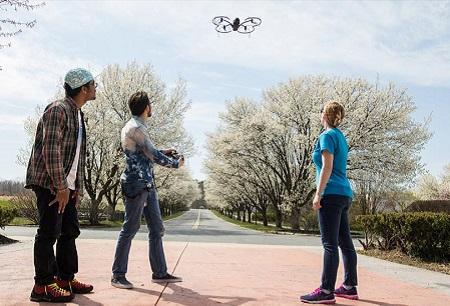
159	281
120	286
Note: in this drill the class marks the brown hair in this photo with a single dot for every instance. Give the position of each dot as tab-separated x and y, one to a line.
138	102
333	113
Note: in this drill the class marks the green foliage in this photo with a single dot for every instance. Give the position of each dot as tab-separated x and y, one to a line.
6	216
425	235
4	203
309	220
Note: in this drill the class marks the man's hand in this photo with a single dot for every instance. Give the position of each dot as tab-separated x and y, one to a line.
62	198
170	152
316	202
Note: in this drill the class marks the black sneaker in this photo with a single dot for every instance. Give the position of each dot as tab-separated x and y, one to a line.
166	279
121	282
318	297
351	294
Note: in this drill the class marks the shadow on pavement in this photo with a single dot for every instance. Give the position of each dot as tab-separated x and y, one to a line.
83	299
376	303
189	297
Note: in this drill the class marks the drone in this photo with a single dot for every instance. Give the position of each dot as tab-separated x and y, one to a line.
224	25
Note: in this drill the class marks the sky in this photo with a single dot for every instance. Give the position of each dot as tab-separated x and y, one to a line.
407	43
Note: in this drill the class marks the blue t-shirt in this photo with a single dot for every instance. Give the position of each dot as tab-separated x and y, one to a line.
335	143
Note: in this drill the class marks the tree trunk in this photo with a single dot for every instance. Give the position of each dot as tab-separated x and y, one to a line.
94	212
295	219
264	216
249	215
278	217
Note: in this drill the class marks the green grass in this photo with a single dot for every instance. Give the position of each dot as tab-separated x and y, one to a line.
20	221
273	229
118	223
399	257
4	203
253	226
173	216
103	223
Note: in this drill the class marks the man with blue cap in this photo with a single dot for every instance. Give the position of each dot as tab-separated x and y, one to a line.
55	173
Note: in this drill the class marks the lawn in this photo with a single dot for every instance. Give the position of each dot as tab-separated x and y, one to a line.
398	257
259	227
4	201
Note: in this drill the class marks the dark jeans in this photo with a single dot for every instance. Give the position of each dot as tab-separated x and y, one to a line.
60	228
335	231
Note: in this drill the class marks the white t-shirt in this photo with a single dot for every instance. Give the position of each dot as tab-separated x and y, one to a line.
72	177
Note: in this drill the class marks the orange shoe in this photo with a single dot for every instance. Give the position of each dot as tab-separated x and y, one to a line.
50	293
74	286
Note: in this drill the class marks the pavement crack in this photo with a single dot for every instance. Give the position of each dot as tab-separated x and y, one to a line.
173	272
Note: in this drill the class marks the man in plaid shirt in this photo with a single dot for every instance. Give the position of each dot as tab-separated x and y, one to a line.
55	173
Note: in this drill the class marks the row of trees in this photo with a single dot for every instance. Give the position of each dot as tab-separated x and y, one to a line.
105	118
260	155
11	187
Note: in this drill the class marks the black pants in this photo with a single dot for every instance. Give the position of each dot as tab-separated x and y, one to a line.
63	228
335	231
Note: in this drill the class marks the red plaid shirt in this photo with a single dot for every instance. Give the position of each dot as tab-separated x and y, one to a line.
54	147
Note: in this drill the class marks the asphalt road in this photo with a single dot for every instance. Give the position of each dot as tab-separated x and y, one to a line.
196	225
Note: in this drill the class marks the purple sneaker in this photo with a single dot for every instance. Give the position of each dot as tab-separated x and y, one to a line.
318	297
351	294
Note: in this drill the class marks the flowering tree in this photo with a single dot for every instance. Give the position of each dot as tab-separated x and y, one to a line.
275	139
432	188
105	118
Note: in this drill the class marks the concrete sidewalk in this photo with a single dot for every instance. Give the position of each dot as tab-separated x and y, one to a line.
221	274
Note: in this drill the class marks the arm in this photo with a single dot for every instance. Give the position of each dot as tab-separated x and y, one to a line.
327	147
327	167
141	138
53	120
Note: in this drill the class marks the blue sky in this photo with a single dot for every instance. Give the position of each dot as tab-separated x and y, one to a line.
407	43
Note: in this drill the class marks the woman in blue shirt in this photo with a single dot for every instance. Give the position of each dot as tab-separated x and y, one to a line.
332	201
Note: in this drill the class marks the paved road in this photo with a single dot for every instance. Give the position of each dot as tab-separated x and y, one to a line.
196	225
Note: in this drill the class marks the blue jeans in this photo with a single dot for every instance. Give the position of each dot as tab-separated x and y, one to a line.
134	208
335	231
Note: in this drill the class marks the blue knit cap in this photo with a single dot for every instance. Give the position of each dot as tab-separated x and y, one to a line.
78	77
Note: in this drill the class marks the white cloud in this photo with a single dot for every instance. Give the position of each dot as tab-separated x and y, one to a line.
407	40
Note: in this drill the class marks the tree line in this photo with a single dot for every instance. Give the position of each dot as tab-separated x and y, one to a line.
260	154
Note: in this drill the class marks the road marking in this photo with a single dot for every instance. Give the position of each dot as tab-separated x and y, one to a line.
197	223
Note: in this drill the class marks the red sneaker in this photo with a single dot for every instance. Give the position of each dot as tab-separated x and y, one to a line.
74	286
50	293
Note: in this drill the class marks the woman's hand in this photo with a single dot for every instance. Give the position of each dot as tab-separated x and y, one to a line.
316	202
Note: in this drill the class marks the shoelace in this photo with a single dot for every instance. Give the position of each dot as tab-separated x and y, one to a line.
317	291
77	283
56	289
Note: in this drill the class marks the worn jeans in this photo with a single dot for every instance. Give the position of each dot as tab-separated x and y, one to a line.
134	208
335	231
54	227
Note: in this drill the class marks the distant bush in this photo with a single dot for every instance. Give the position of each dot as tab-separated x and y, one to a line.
436	206
6	216
309	220
26	206
423	234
